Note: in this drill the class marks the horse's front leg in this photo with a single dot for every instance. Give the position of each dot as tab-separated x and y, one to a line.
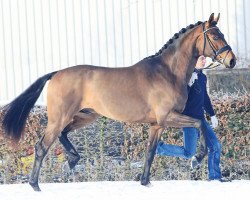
154	136
178	120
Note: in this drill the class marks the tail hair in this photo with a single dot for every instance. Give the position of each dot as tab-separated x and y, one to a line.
16	112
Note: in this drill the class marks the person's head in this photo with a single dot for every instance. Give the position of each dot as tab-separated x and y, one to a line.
200	62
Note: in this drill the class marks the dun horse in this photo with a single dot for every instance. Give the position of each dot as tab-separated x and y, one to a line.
153	91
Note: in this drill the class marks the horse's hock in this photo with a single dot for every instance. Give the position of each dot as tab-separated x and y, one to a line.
229	81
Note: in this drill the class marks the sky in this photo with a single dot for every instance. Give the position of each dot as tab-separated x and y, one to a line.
129	190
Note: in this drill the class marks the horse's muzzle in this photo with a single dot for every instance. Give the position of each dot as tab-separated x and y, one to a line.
232	63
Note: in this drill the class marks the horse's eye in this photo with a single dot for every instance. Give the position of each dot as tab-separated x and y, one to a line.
216	37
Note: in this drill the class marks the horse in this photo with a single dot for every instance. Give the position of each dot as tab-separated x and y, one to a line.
152	91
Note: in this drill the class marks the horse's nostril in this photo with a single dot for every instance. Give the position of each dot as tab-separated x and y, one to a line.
232	63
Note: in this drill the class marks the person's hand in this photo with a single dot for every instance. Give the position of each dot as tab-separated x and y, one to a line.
214	121
192	79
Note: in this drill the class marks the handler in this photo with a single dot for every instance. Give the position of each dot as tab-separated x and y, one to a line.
198	102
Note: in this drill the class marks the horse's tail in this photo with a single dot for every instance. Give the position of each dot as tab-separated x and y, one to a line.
16	112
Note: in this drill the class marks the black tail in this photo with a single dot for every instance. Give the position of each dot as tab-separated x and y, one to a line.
16	113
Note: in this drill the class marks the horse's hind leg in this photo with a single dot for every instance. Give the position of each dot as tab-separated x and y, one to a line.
41	149
79	120
40	152
54	127
72	155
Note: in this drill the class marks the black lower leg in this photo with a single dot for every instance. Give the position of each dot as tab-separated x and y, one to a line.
40	152
202	151
147	166
72	155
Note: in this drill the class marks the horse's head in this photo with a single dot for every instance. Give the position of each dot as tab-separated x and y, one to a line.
212	43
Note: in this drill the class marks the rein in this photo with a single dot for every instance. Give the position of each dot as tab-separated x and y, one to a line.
216	52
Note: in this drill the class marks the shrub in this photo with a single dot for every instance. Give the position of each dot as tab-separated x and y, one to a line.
111	150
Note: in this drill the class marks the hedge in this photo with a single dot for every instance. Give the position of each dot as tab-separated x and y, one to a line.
111	150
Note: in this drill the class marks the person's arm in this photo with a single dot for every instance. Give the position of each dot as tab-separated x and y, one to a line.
209	109
208	105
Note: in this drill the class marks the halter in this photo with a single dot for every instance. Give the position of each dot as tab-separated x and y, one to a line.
216	52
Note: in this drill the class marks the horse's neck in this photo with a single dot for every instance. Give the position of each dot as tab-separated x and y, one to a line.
186	63
182	60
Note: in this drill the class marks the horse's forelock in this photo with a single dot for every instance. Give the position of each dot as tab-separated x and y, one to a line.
214	23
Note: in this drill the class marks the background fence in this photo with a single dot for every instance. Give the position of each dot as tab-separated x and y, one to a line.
39	36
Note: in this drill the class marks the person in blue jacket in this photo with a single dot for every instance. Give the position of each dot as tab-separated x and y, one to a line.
197	104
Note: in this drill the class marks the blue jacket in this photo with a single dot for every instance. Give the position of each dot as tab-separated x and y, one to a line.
198	100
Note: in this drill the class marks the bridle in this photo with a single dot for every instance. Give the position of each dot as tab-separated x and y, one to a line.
215	51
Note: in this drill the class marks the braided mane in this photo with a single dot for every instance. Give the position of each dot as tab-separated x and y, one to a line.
176	36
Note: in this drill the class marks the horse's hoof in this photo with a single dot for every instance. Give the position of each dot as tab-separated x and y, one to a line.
148	184
35	186
144	181
73	161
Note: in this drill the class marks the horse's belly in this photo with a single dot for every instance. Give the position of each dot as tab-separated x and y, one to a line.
116	97
124	113
125	109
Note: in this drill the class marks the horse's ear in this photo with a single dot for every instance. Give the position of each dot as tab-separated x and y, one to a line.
217	18
211	18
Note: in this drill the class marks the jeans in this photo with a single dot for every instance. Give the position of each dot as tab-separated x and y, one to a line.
190	139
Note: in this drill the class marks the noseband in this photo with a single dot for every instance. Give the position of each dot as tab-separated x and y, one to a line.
216	52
